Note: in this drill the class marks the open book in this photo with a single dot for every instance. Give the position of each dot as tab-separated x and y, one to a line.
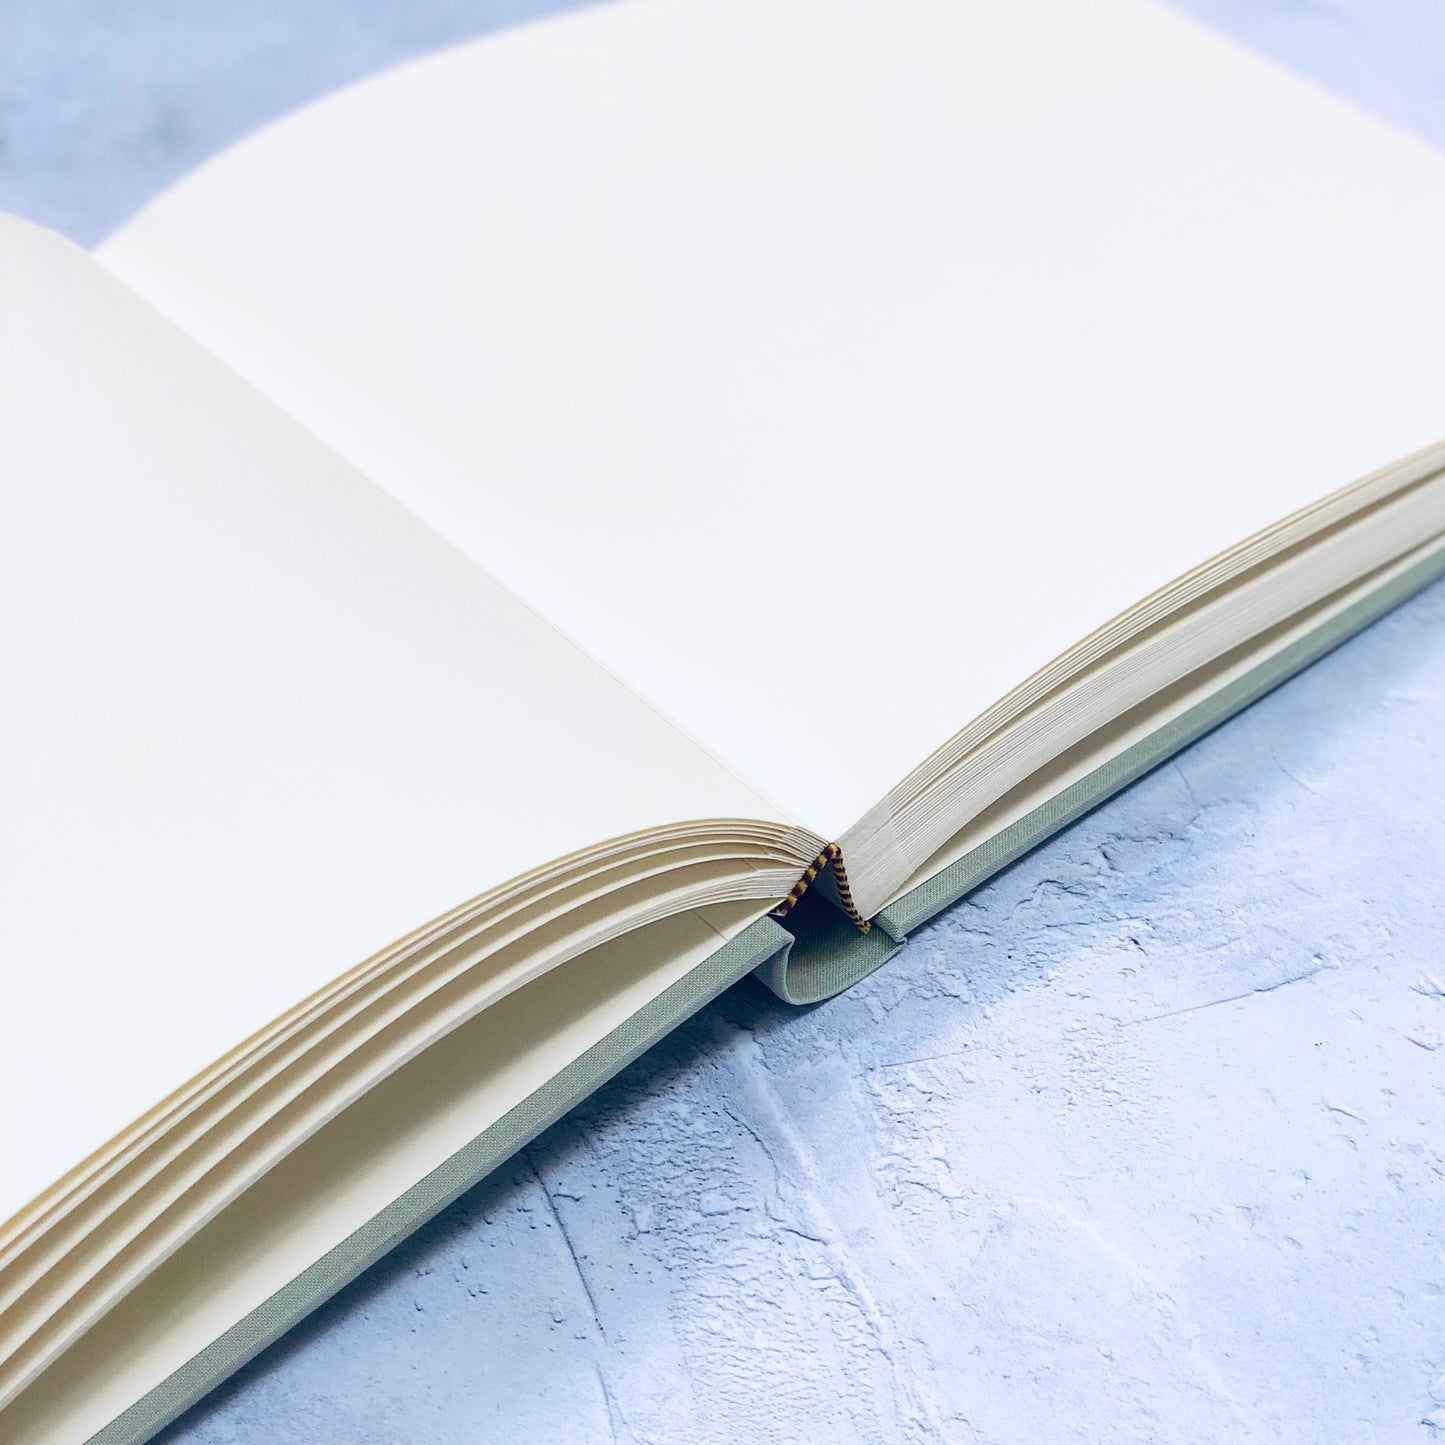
686	489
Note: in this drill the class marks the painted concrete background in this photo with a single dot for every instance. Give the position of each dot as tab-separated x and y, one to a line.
1143	1142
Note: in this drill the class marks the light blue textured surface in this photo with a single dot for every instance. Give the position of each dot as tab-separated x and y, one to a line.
1145	1141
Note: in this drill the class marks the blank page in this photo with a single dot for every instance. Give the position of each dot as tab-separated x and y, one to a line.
257	721
826	369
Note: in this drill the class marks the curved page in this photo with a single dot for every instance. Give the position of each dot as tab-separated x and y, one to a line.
856	357
258	722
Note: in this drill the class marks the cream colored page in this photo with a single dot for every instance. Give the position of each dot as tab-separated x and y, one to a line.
257	722
827	368
355	1167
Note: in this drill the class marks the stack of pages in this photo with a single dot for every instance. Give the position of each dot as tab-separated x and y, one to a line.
688	488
